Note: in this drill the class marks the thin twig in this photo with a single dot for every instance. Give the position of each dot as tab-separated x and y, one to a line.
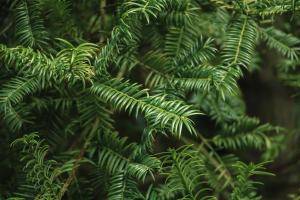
72	175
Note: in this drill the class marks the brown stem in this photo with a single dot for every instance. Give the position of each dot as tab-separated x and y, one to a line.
121	72
72	175
217	161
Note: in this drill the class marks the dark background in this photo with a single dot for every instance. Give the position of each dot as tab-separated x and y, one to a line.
269	99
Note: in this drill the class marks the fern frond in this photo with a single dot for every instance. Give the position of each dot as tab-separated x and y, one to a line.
166	114
112	161
13	94
128	95
57	13
115	155
275	7
226	80
286	44
30	30
39	171
117	189
200	53
77	92
178	13
122	33
90	109
16	89
219	173
74	63
183	170
246	132
144	165
240	42
246	187
190	78
287	65
51	70
16	117
159	66
148	8
196	78
222	111
123	188
177	40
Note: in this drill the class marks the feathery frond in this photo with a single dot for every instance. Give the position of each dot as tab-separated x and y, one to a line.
172	115
240	41
286	44
30	30
246	189
246	132
115	90
40	172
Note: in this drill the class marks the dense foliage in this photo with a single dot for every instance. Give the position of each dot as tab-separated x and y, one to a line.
138	99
